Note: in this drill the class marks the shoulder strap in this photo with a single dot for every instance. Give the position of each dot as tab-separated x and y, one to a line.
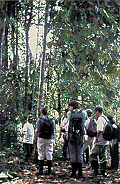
105	118
62	118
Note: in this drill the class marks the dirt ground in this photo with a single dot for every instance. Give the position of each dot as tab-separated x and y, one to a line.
20	172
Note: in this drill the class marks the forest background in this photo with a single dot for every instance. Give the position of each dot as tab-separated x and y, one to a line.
54	51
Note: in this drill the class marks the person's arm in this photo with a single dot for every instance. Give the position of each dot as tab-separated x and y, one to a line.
54	127
25	130
36	132
69	115
97	136
59	133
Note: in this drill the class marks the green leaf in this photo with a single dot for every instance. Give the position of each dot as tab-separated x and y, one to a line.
74	50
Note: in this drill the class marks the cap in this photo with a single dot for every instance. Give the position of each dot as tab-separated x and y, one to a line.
30	117
89	111
98	108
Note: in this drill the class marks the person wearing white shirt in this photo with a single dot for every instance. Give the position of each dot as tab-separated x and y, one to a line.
64	130
28	137
100	144
88	141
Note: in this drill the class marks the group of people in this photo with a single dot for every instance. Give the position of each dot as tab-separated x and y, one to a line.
77	140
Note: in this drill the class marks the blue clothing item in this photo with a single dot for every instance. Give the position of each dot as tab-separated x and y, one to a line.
69	114
39	124
76	153
76	148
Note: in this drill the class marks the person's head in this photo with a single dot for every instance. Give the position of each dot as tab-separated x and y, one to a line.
43	111
98	111
30	119
65	112
89	112
74	105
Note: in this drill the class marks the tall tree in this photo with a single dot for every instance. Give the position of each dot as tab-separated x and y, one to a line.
43	63
27	23
2	28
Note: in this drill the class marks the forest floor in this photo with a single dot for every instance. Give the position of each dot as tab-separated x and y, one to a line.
16	171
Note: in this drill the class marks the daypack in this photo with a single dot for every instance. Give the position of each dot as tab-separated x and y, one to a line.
76	127
46	128
115	131
118	133
108	130
91	128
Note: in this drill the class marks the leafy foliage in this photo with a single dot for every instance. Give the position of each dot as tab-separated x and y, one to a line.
82	59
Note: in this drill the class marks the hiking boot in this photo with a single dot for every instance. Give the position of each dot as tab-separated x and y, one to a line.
94	165
80	175
40	167
49	162
73	175
103	168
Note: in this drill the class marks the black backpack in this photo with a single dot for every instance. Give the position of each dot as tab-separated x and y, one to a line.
46	128
92	128
115	132
76	127
108	130
118	133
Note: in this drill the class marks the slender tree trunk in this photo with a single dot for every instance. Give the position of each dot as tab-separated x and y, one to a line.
43	63
5	59
59	106
27	25
2	28
26	69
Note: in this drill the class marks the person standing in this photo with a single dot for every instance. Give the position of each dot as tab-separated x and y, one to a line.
76	119
64	131
100	144
114	151
28	137
90	133
44	134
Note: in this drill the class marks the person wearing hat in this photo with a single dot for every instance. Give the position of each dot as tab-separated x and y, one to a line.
100	144
76	147
87	138
28	137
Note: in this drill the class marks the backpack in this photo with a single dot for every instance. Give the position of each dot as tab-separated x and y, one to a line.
76	127
118	133
92	128
108	130
46	128
115	132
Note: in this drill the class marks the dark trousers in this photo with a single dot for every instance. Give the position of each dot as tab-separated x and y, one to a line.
28	148
114	156
87	155
65	146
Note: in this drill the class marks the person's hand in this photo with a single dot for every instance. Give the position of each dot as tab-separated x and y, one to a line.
96	140
26	135
35	139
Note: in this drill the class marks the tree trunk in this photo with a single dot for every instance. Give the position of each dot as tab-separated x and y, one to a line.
43	63
2	28
27	25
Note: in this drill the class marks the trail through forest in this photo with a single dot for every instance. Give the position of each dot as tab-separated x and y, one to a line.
20	172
